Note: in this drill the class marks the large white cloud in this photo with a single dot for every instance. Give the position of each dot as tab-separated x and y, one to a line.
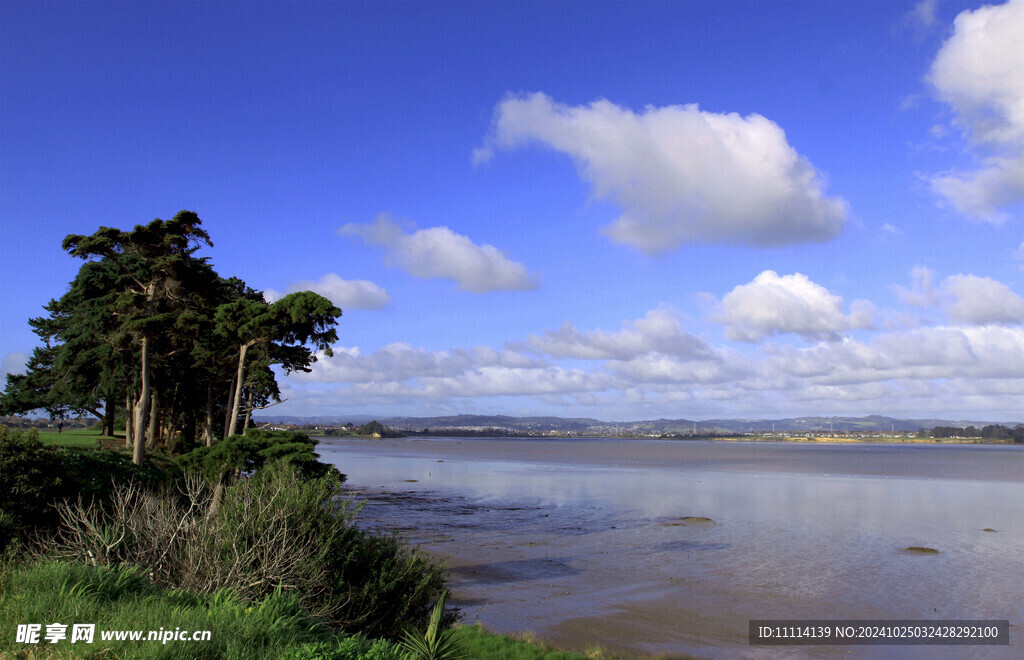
440	253
680	174
772	304
979	71
358	294
940	353
968	299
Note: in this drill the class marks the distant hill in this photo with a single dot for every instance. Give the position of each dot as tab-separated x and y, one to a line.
584	425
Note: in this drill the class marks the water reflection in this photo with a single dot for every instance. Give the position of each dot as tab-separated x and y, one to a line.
551	542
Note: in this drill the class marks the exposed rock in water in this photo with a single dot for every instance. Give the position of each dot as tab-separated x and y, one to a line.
681	522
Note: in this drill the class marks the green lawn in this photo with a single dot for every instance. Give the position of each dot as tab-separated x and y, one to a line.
84	438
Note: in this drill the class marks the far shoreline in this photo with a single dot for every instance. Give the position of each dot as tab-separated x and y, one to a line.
789	439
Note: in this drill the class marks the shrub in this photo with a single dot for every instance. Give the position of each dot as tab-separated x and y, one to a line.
272	529
31	478
246	454
35	477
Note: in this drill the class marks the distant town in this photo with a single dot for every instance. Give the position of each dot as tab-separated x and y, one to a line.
820	429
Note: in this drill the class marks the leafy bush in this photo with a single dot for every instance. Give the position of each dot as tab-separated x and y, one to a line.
246	454
35	477
272	529
31	480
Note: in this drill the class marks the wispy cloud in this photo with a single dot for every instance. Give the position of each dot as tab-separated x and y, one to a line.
358	294
14	363
922	16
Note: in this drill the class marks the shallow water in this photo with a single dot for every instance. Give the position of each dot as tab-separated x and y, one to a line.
584	541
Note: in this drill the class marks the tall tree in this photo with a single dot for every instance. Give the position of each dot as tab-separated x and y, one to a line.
147	323
155	258
283	328
81	366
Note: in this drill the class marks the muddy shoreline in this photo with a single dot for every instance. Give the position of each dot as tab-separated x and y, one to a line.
652	549
479	571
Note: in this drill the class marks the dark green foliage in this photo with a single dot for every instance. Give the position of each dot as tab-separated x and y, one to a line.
35	477
93	474
148	323
383	585
377	430
31	480
988	432
245	454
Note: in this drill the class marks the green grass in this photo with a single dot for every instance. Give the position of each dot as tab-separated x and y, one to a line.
477	642
124	599
47	592
80	438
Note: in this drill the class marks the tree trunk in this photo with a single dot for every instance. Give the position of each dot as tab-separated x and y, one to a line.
141	408
227	415
108	419
139	428
248	412
172	419
208	422
129	412
153	432
239	380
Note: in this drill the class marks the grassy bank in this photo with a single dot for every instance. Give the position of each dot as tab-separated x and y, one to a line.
247	540
124	599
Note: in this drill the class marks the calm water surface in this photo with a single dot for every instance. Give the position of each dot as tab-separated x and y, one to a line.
584	541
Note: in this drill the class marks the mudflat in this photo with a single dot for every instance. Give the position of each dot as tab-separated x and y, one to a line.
671	547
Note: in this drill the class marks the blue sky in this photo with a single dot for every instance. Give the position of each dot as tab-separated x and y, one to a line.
613	210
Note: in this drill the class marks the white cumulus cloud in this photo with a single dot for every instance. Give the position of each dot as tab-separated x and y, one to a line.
772	304
968	299
981	300
979	72
358	294
440	253
680	174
